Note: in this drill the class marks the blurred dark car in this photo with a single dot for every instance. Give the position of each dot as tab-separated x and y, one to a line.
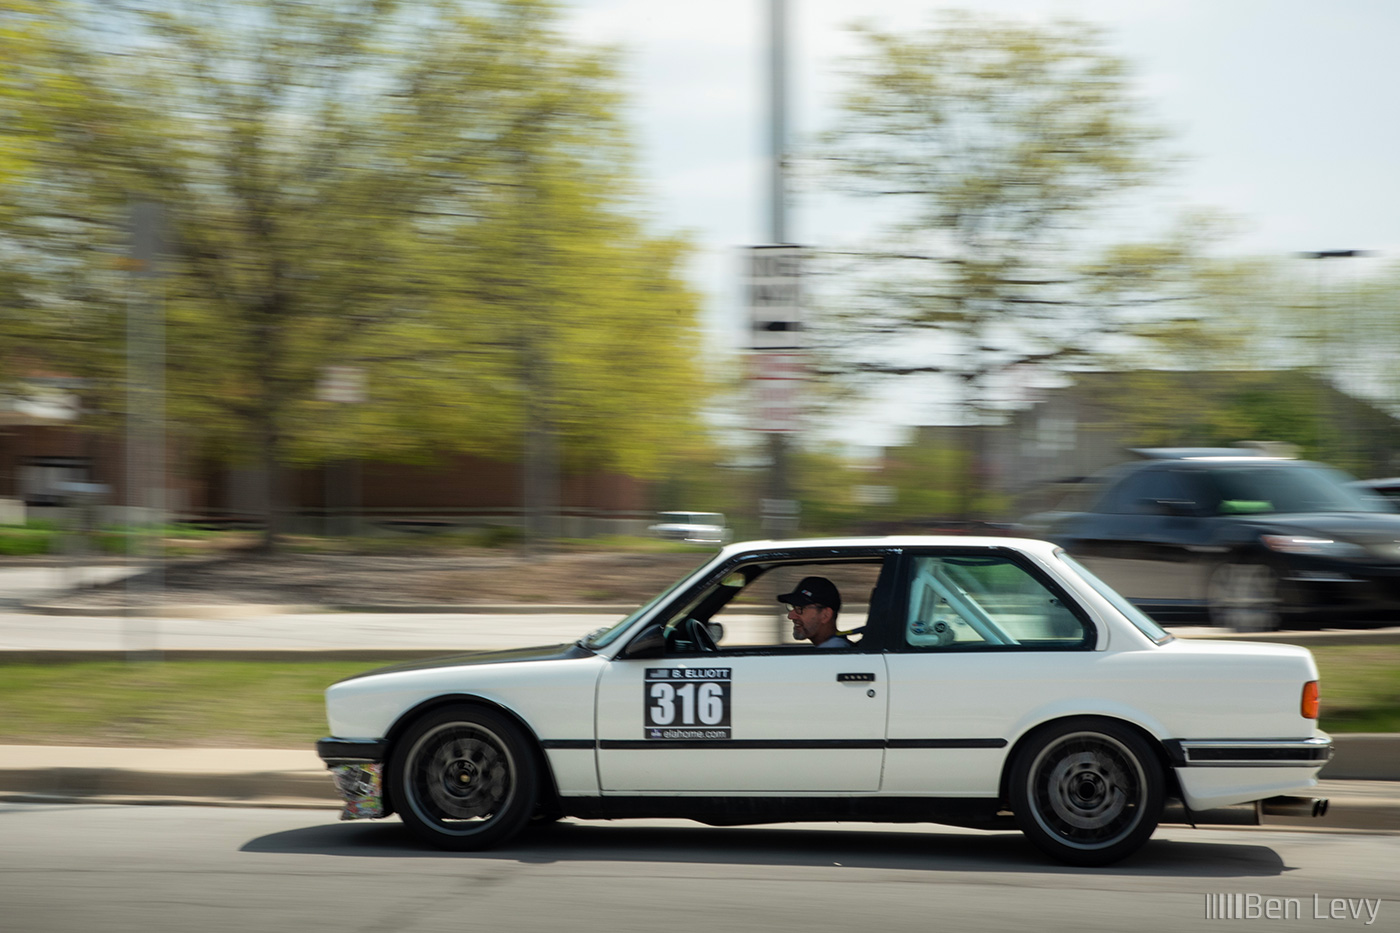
1250	542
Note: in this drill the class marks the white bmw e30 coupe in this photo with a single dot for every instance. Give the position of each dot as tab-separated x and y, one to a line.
985	682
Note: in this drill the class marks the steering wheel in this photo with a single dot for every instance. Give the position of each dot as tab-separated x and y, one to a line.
699	634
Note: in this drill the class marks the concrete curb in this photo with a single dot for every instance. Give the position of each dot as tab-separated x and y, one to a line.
236	610
1371	806
365	655
226	611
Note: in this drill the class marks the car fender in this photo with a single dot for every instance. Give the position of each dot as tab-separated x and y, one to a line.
1146	725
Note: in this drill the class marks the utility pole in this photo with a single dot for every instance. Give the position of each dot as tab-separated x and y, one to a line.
777	374
777	121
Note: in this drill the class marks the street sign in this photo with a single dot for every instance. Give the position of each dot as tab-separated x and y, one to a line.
776	379
774	287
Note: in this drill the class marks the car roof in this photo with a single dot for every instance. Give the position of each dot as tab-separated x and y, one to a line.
1031	545
1205	453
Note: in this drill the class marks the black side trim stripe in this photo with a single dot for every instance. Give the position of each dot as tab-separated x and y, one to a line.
742	743
800	743
946	743
1258	754
567	743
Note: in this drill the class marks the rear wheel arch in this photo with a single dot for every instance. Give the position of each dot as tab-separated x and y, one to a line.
1164	759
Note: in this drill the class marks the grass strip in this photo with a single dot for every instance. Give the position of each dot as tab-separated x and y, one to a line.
168	703
1360	687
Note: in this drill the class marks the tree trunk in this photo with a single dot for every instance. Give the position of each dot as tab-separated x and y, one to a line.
273	498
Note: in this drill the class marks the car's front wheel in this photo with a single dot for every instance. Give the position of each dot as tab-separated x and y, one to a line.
1087	792
464	777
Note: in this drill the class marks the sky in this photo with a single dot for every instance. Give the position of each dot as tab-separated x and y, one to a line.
1280	111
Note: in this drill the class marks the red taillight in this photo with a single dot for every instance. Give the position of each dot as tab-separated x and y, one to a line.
1310	700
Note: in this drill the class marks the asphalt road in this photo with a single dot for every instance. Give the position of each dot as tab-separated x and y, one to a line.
159	869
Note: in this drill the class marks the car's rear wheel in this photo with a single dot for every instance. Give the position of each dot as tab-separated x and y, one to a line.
1087	792
464	777
1245	596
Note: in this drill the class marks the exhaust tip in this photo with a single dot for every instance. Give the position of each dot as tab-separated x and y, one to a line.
1294	806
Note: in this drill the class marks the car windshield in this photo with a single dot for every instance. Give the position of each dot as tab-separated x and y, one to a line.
1144	622
1252	490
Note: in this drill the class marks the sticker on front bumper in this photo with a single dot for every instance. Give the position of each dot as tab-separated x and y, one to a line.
362	788
686	703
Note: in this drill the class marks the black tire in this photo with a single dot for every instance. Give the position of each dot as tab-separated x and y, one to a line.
1087	791
1245	596
464	778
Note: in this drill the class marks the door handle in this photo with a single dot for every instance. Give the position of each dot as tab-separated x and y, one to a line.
855	678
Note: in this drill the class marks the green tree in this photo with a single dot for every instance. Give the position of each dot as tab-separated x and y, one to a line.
434	192
993	146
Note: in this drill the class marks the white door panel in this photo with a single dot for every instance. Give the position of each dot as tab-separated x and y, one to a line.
952	714
780	722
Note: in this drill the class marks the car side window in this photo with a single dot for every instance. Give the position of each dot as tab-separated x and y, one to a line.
742	611
960	602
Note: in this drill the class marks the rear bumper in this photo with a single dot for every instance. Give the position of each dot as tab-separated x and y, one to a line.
1315	752
1223	772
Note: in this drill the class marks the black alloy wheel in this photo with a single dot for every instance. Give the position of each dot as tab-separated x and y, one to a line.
464	778
1087	791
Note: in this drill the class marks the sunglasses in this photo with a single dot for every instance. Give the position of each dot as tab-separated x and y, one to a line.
792	608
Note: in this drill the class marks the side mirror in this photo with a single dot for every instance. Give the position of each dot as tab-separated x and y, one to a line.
649	643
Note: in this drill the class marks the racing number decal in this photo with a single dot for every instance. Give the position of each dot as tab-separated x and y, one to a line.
687	702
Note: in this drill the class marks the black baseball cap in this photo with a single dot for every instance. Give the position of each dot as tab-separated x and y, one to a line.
814	590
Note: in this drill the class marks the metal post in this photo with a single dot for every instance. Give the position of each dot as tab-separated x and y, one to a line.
775	524
777	119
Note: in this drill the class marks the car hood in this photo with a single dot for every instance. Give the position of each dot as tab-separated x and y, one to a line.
470	659
1358	527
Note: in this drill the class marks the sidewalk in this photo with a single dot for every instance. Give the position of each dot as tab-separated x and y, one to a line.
294	778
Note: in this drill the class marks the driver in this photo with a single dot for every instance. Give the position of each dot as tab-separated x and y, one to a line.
812	610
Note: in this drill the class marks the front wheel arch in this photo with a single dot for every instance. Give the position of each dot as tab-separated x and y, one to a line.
549	799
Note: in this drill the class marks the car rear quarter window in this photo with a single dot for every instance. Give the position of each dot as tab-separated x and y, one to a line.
962	602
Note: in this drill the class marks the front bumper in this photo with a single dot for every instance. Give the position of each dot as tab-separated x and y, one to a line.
1342	590
358	769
